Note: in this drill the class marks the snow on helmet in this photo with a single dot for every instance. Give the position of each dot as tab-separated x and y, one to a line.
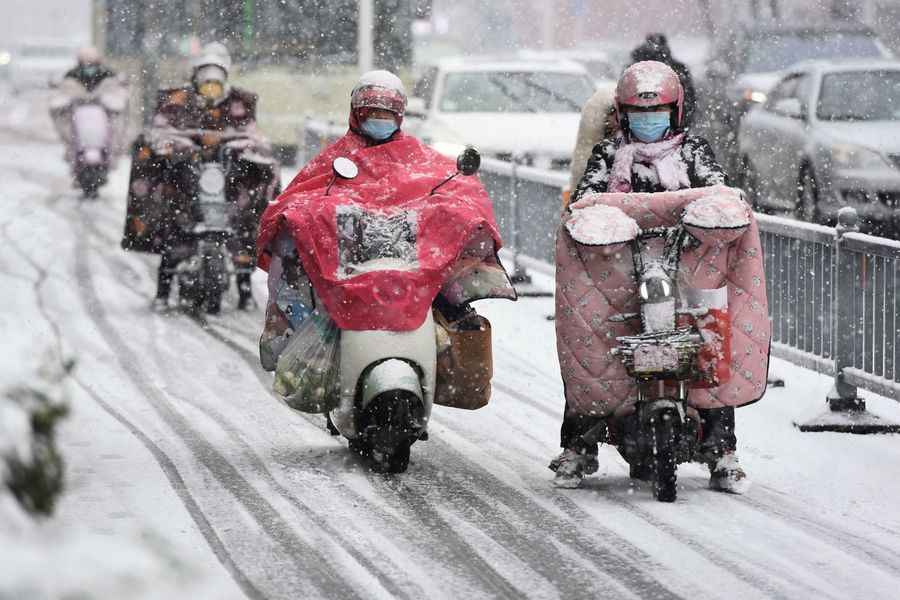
379	89
214	53
650	83
89	56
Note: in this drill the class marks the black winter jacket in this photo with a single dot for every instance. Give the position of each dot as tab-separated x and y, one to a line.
702	168
90	78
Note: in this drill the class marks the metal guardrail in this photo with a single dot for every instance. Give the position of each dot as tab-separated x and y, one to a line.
834	301
834	293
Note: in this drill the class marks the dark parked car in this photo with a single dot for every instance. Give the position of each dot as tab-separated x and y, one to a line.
828	136
747	63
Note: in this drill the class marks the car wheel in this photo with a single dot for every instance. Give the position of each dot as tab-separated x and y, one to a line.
749	182
807	208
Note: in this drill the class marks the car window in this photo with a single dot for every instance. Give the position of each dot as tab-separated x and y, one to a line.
860	96
47	52
785	89
515	92
424	87
777	51
803	90
600	69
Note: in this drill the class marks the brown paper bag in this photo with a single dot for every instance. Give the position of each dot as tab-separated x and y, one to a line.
464	362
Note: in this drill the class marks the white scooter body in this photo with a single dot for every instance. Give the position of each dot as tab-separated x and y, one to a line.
373	362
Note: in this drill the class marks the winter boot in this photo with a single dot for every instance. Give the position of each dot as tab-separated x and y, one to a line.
246	301
245	292
213	306
726	475
571	466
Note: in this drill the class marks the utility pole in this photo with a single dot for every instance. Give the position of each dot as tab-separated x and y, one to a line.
365	25
247	36
148	38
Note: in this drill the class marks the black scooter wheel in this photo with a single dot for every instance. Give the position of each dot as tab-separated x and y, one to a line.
663	459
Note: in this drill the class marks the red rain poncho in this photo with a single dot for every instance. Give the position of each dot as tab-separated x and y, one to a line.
393	185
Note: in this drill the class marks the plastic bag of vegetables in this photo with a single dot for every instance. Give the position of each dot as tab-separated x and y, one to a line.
307	373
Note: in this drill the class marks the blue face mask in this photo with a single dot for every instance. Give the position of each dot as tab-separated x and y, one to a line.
649	127
379	129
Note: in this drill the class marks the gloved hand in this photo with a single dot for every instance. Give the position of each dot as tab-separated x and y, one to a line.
168	144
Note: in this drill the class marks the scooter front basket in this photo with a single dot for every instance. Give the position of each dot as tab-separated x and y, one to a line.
660	355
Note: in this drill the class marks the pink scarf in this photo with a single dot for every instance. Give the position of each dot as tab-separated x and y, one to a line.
663	156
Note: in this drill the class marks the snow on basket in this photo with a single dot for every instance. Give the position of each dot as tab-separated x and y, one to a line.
600	225
724	209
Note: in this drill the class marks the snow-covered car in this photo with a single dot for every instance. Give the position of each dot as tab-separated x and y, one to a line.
526	111
37	64
752	60
828	136
5	59
600	66
746	63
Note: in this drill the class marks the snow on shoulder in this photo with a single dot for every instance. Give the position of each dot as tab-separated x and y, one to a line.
722	208
599	225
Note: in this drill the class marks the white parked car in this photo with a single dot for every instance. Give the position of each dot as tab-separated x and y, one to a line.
828	136
602	68
526	111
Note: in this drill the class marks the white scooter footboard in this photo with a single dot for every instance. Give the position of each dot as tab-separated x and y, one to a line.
361	349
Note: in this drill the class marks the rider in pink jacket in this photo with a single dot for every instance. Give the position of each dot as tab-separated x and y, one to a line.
651	152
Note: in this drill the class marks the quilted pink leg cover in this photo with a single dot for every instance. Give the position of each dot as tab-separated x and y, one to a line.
594	283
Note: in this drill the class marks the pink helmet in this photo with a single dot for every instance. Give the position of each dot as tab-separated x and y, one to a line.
89	55
650	83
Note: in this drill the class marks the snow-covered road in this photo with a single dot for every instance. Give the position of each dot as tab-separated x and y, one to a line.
175	438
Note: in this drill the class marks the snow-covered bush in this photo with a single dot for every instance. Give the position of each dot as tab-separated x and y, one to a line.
31	468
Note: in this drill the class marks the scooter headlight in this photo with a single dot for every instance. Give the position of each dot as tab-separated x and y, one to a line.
655	289
212	181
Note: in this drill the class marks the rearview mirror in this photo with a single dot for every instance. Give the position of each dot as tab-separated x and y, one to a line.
469	161
344	168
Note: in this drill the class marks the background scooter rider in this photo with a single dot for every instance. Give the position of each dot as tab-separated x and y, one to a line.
90	70
650	153
209	103
80	84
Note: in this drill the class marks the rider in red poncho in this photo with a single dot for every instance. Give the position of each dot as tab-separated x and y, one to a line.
397	175
377	104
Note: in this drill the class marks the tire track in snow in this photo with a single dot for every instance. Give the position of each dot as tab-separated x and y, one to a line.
417	504
176	482
839	538
258	467
698	545
546	565
316	572
450	540
883	558
165	463
616	558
